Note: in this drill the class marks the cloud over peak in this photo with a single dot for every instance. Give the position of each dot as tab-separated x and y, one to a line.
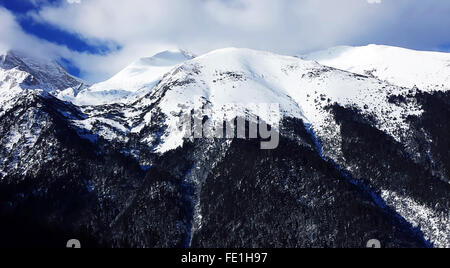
144	27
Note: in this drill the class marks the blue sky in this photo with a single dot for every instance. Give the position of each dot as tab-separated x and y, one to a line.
94	39
52	33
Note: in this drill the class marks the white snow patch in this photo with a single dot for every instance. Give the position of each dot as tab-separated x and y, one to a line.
435	226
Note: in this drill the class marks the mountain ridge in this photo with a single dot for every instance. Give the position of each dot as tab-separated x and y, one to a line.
428	70
133	81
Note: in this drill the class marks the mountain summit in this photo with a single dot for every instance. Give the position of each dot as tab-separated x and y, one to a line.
136	79
19	71
399	66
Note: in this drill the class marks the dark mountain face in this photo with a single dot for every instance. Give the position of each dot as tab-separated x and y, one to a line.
290	197
435	122
385	164
210	193
59	180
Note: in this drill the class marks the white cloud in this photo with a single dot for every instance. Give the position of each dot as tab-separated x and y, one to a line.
143	27
12	37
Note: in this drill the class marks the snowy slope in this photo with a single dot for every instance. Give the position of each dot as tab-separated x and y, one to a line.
234	81
19	72
399	66
242	77
137	78
30	72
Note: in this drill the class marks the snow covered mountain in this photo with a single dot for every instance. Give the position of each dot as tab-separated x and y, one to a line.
359	157
133	81
302	89
19	72
398	66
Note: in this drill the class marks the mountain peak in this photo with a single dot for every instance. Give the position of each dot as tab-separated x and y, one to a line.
399	66
33	72
164	58
135	80
174	53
